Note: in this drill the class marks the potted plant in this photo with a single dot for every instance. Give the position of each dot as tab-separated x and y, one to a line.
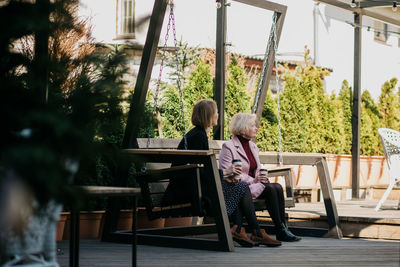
60	102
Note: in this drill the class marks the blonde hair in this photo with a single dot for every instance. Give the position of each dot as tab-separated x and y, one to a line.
203	112
241	123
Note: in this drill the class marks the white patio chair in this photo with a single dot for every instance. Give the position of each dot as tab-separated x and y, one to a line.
391	146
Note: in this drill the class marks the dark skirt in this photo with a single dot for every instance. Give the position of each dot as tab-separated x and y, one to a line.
233	193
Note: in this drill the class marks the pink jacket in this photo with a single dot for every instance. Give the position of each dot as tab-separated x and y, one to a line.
233	149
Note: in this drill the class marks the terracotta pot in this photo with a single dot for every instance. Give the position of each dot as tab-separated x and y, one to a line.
125	220
183	221
61	226
90	225
143	222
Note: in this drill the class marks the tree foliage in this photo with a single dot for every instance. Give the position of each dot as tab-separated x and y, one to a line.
236	97
389	105
311	120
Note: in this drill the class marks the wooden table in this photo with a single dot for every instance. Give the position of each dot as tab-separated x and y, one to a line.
101	191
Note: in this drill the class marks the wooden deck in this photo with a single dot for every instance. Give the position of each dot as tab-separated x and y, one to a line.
357	218
310	251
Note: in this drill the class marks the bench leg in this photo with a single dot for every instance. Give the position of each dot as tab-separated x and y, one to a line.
221	218
329	199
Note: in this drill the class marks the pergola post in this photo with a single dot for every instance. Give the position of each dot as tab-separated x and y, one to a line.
136	108
219	88
356	113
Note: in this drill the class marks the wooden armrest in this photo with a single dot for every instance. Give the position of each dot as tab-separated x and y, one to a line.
172	172
173	169
172	207
137	151
110	190
278	171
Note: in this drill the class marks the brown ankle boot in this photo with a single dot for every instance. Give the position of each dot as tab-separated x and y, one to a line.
265	239
241	237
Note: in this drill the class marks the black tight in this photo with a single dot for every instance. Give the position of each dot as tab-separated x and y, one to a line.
246	208
275	202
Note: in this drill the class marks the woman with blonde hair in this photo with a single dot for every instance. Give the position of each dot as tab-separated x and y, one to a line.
243	128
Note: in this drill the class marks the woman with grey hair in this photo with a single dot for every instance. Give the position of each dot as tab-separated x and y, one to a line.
243	128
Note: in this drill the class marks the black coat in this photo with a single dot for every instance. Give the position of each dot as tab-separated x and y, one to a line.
196	139
181	191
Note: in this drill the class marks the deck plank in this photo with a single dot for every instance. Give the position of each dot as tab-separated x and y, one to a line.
308	252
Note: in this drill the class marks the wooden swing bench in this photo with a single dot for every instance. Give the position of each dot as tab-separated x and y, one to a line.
215	146
158	147
182	236
154	179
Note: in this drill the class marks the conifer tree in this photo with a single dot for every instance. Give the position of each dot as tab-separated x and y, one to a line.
335	139
199	85
236	97
267	136
294	114
389	105
370	140
345	98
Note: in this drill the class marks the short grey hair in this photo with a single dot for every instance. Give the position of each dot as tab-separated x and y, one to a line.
241	123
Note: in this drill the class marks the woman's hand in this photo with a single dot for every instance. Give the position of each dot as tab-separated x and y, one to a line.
232	179
261	178
232	172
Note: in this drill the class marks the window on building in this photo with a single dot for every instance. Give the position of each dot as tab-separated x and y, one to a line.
381	31
125	19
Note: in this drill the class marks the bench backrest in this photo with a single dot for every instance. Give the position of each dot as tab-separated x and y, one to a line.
216	146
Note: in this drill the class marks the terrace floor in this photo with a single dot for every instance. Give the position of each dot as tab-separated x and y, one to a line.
311	251
357	218
371	239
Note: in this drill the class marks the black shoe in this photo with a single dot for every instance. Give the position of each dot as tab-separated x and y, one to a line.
283	234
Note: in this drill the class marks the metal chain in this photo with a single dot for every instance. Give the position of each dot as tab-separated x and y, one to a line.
271	39
178	73
277	90
264	67
171	18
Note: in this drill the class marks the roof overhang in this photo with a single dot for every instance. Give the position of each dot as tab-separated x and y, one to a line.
379	10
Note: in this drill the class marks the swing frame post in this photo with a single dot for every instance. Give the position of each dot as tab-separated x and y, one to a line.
219	88
136	108
258	105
